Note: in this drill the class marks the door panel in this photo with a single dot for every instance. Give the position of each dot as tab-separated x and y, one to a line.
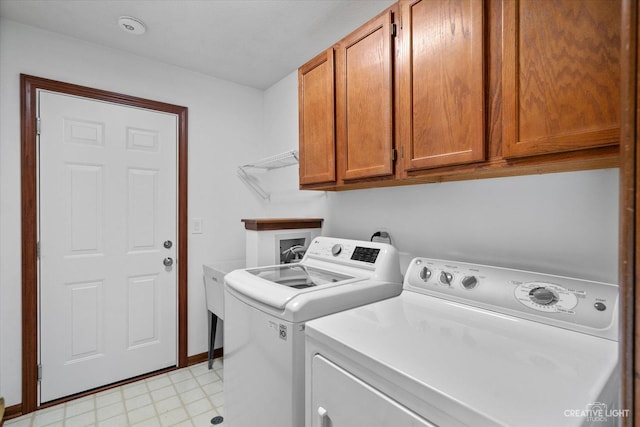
316	100
441	83
364	100
560	76
356	403
108	197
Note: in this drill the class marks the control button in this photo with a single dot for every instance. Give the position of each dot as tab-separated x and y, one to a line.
470	282
425	274
543	296
446	278
336	249
600	306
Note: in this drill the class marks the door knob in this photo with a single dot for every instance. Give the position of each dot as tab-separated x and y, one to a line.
168	262
167	244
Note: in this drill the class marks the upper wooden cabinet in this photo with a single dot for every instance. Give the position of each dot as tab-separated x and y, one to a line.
364	100
464	89
560	75
441	92
316	105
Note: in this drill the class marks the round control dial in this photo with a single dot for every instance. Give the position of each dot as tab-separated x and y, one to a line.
336	249
446	278
469	282
425	274
543	296
547	297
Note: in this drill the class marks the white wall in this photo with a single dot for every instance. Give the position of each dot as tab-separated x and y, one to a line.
225	123
281	134
565	223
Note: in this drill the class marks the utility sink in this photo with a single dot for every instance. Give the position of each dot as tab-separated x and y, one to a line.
214	283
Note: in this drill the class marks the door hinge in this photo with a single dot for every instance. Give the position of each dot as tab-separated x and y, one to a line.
39	372
38	250
394	30
38	124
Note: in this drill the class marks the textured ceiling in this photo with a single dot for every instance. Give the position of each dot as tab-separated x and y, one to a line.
250	42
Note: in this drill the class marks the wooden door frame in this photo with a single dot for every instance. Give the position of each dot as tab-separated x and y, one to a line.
29	86
629	257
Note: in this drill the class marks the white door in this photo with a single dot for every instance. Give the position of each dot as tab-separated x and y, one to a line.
108	194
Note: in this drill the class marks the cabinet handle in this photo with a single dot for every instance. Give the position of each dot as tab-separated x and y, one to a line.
323	417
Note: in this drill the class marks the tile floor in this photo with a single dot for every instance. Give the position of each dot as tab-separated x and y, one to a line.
186	397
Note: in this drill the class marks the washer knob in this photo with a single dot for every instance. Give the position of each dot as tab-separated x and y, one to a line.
336	249
470	282
446	278
425	274
543	296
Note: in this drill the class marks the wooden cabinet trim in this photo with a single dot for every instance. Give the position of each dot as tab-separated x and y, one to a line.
261	224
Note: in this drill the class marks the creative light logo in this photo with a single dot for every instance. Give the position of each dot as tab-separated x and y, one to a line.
597	412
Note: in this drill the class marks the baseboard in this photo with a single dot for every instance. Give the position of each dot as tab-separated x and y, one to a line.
13	411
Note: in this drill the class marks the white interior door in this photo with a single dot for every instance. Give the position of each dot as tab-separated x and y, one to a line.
108	203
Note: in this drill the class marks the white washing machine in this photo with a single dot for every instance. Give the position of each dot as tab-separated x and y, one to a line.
469	345
265	313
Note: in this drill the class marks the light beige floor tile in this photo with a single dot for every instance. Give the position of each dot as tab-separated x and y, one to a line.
173	417
117	421
140	414
110	411
158	382
83	420
138	402
168	404
108	397
189	397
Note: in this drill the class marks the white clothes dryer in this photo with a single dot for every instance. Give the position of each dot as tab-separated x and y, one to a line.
266	309
469	345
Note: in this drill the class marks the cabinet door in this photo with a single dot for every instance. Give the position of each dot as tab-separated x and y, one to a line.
317	120
364	107
560	75
338	399
441	83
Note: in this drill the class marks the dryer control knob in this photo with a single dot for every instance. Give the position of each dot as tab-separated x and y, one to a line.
336	249
446	278
425	274
543	296
469	282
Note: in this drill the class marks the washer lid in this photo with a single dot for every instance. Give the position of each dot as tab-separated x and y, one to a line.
276	285
298	275
455	364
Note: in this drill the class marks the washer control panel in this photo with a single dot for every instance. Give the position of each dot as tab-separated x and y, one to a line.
377	260
336	250
585	306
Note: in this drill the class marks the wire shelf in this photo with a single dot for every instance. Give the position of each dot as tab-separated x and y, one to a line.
288	158
281	160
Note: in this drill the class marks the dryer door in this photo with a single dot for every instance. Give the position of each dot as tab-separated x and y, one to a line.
357	403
